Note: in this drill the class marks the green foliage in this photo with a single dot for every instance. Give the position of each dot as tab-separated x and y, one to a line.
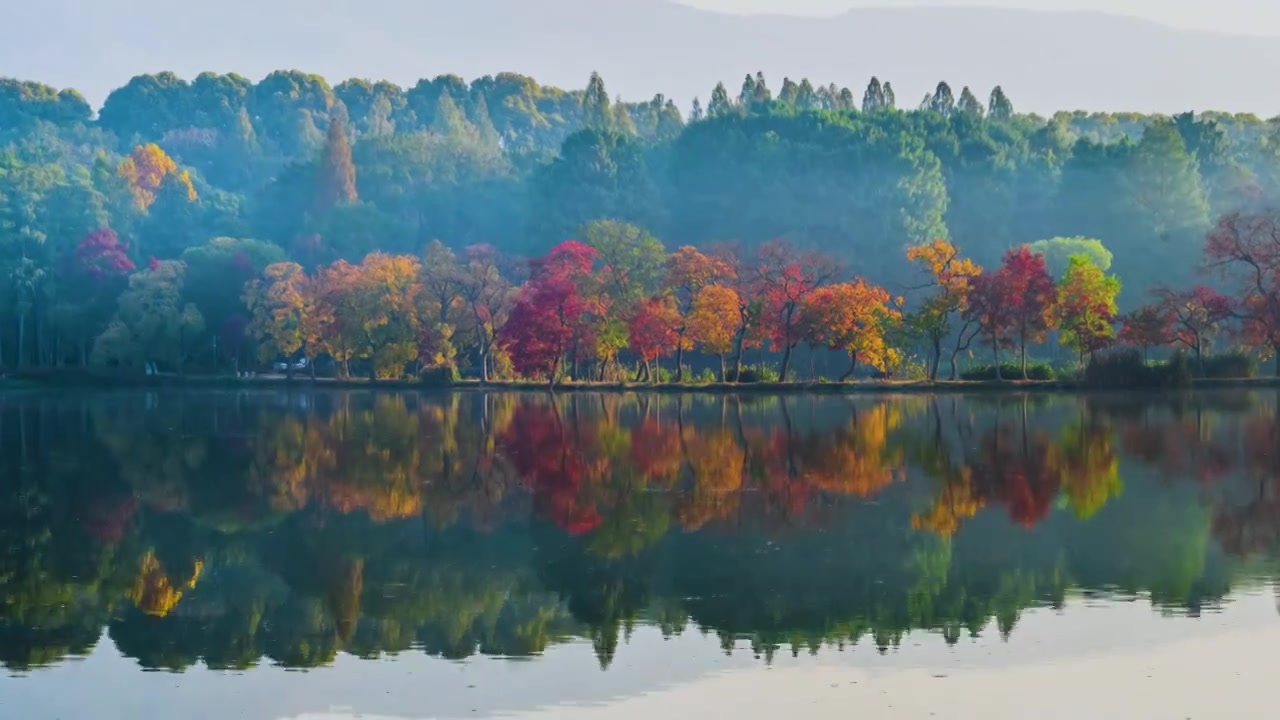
1035	371
439	377
1058	251
1230	366
753	374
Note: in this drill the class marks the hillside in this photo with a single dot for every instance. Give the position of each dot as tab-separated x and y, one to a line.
1046	61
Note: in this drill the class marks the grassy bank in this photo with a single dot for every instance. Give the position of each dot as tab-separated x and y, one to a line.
68	378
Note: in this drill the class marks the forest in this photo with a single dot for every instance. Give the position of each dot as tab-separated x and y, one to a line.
240	528
501	228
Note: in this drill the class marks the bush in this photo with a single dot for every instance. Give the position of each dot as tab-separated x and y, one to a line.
1127	369
753	374
707	377
1009	371
1230	366
441	376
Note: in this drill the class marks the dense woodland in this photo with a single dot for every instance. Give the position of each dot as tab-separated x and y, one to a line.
218	224
286	527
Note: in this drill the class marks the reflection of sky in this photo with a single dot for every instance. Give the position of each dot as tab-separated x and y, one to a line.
1123	652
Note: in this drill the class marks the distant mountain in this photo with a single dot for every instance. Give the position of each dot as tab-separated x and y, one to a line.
1045	61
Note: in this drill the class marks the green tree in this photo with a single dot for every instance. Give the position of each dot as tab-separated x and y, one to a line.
597	113
152	326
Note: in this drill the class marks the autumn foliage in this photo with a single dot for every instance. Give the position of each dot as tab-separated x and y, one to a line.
147	169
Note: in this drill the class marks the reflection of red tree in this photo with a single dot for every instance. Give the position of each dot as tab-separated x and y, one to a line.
1255	527
550	458
1178	448
655	450
107	518
1015	469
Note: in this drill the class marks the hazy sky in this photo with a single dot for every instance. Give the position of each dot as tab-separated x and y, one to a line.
1244	16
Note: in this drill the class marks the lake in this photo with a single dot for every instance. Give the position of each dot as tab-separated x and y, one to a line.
276	554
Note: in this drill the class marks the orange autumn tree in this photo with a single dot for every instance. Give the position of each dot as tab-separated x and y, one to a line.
713	321
688	272
339	335
852	317
147	169
951	276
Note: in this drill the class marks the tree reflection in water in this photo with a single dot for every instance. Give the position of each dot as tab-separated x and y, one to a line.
237	528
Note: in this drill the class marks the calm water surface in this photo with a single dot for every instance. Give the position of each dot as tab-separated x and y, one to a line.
340	555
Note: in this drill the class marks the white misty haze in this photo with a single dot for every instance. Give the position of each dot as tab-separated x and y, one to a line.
1258	17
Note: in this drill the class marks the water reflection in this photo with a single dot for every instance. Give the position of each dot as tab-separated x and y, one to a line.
237	529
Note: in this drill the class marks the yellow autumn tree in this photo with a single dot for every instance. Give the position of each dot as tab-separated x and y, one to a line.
147	169
951	277
277	302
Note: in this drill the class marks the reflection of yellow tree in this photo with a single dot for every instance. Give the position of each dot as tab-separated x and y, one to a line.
377	459
1089	468
956	503
857	459
717	463
346	584
154	591
287	461
460	465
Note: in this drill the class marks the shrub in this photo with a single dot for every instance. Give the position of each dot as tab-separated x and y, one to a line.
1232	365
441	376
1009	371
706	377
1127	369
754	374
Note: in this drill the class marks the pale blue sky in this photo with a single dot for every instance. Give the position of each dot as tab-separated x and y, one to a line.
1242	16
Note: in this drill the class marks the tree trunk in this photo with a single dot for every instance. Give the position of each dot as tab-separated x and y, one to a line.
1278	367
995	347
737	360
22	322
1022	345
937	357
722	368
680	359
786	364
853	365
484	368
311	365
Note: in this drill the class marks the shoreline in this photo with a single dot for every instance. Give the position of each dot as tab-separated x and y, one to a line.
47	380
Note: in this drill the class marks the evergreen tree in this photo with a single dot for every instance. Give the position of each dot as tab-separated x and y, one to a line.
762	95
695	111
720	104
846	99
890	100
806	98
873	98
790	92
621	121
337	178
942	101
748	94
999	107
969	105
596	112
1167	186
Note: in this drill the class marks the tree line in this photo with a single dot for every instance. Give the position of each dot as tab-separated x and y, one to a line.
217	178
